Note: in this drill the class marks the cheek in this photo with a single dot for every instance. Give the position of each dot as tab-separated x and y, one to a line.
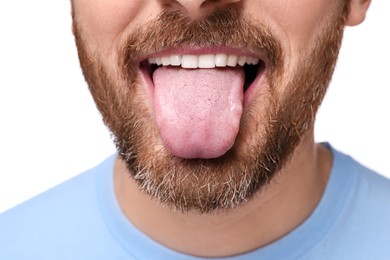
103	20
301	18
295	21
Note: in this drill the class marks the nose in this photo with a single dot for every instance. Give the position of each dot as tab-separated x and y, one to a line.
198	8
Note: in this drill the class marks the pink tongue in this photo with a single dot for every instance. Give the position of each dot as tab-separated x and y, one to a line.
198	111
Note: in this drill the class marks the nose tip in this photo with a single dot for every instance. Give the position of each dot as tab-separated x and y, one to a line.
198	8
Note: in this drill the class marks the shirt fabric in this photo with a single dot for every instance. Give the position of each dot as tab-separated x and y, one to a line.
81	219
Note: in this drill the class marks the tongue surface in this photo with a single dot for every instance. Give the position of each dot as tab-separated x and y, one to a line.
198	111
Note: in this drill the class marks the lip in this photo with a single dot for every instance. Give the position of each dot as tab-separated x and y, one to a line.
145	72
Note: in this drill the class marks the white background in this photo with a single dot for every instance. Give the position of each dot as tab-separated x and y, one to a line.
51	131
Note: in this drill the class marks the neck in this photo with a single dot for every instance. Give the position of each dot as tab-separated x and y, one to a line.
278	208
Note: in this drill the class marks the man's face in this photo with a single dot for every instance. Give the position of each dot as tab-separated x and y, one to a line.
201	131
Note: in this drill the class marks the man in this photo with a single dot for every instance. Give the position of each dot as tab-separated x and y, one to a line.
211	105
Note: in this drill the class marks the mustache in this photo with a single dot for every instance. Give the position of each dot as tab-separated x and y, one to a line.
224	27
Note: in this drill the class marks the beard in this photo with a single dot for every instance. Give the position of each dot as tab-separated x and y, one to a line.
271	126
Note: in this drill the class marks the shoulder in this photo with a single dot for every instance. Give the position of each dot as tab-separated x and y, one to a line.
54	222
370	195
362	230
372	202
371	190
62	198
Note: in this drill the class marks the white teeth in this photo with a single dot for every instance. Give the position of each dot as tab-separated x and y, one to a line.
204	61
158	61
253	61
189	61
175	60
242	60
221	60
232	60
166	61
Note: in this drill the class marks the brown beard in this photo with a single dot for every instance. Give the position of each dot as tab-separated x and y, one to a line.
205	185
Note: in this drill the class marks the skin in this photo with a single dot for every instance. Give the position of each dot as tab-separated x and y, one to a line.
295	190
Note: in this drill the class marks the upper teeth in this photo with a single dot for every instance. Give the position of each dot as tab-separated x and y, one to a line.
204	61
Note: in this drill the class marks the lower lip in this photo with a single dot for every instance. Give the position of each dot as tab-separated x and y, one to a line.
249	94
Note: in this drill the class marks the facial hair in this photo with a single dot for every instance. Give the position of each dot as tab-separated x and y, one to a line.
267	136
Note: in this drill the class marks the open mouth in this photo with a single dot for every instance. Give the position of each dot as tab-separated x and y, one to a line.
252	66
198	100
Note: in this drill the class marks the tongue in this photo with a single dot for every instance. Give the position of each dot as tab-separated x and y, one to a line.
198	111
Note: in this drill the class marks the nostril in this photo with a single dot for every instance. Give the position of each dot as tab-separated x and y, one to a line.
197	9
208	2
218	3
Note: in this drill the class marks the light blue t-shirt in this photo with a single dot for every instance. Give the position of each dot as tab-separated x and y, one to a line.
80	219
